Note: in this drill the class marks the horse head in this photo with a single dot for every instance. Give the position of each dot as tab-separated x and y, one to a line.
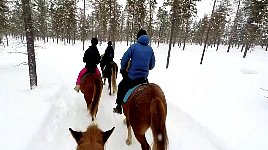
92	139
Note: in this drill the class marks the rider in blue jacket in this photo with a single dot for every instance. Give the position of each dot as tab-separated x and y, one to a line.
142	59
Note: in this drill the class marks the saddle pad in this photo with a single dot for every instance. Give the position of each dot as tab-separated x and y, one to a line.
129	92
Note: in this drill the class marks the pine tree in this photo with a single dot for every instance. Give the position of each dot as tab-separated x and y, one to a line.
41	19
175	11
234	27
188	10
114	13
162	24
218	21
207	33
255	9
150	21
51	21
16	20
130	19
200	30
4	22
100	9
30	42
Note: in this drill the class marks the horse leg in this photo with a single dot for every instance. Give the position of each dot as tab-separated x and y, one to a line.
129	134
104	79
109	82
142	139
113	80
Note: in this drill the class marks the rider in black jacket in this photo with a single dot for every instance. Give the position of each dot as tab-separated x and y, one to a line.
92	59
92	56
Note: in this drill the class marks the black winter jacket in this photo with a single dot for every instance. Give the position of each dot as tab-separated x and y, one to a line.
109	54
91	57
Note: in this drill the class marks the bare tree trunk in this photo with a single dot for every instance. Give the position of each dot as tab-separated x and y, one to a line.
57	38
242	47
229	45
30	42
74	38
218	43
266	49
170	41
246	50
7	39
209	26
159	36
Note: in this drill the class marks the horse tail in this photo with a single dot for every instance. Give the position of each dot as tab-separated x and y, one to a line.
96	97
158	111
114	72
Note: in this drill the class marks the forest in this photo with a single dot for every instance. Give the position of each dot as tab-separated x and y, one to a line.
239	23
242	23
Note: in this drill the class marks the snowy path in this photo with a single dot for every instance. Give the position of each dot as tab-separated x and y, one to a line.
68	110
215	106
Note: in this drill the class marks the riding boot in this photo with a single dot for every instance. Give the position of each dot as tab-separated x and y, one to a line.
123	87
118	109
77	88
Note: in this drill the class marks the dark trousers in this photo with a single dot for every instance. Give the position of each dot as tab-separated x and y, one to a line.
125	85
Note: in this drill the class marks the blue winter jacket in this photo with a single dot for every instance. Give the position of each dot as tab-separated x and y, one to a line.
142	59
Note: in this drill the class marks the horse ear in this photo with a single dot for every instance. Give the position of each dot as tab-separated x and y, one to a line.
107	134
76	135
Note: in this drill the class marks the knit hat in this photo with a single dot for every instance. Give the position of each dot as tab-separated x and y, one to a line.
141	32
109	43
94	41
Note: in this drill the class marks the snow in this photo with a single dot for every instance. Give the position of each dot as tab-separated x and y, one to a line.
219	105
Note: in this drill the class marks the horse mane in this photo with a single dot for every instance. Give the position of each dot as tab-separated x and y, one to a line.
92	139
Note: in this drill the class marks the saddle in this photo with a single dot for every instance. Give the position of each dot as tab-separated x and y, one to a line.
95	74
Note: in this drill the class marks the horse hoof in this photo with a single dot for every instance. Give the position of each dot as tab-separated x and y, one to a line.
128	142
125	121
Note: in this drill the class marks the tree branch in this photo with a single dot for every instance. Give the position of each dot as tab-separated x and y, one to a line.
18	52
23	63
263	89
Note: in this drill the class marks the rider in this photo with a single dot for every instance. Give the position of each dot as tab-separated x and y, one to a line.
142	59
92	59
107	57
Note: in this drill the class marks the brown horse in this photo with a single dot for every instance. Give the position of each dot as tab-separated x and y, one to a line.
146	107
92	139
110	71
91	87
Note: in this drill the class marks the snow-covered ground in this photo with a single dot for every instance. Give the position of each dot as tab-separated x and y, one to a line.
219	105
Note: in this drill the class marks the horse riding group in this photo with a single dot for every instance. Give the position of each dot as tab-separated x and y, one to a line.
144	104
